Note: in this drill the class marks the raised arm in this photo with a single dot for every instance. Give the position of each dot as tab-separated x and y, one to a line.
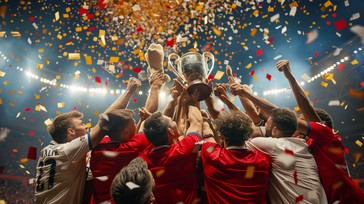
249	107
194	114
210	104
123	101
220	92
243	90
155	83
171	106
302	100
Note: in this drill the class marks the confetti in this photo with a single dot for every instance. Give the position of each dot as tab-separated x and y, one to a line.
219	74
340	24
110	154
132	185
102	178
32	153
312	36
359	143
334	103
249	172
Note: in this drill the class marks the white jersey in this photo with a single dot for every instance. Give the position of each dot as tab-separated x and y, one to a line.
294	175
61	171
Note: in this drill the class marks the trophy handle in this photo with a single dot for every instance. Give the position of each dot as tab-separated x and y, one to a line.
174	70
211	56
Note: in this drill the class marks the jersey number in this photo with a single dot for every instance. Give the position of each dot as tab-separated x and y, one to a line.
52	172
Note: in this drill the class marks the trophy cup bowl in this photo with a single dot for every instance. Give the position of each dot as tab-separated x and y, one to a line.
192	69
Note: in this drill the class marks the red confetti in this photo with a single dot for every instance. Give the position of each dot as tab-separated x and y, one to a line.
97	79
340	24
341	66
170	43
31	18
315	100
90	16
222	109
346	150
316	54
92	28
27	109
288	151
270	40
334	15
295	177
137	70
32	153
135	100
328	22
299	198
235	74
119	75
83	11
106	83
74	108
251	73
259	52
101	4
31	133
139	29
268	76
210	77
362	84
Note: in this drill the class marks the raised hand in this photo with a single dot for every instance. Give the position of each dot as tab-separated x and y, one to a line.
239	89
144	114
133	84
156	79
283	66
220	90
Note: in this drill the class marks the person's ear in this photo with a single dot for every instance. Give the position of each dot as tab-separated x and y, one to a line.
274	131
71	131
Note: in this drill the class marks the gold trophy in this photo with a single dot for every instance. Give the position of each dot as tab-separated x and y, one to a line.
192	70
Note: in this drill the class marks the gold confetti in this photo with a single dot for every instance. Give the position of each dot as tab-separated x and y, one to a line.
39	66
114	59
324	84
159	173
248	66
2	74
359	143
74	56
219	74
354	62
249	172
24	160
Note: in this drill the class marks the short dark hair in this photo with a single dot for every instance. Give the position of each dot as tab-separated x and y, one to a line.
234	126
58	128
116	122
156	129
325	116
135	173
285	121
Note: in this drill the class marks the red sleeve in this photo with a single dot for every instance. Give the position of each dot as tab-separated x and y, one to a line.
320	132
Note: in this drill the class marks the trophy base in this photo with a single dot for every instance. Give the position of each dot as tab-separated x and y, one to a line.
205	90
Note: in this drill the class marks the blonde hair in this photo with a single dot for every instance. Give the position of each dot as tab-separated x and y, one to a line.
58	129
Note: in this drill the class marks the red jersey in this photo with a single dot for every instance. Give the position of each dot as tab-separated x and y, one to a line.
174	170
107	159
235	175
328	151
